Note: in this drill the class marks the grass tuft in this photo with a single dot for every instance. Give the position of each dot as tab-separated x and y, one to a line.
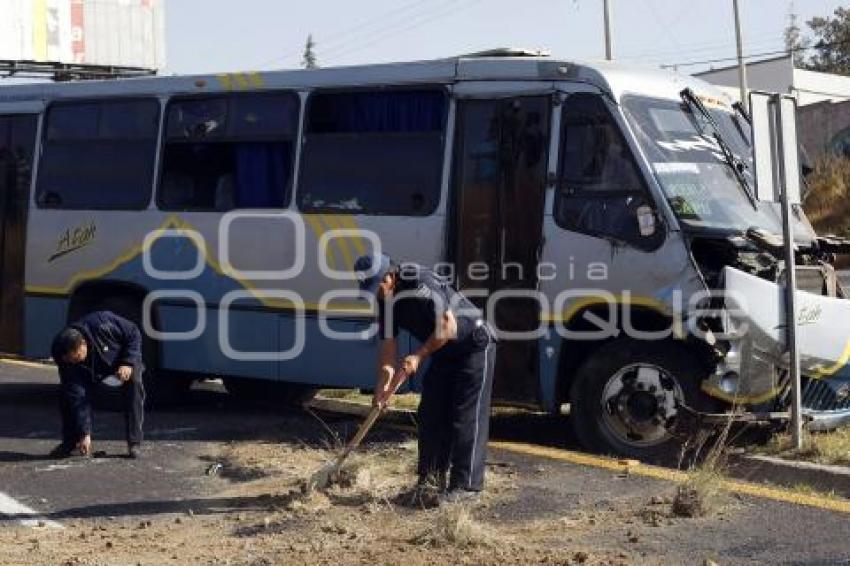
821	448
455	526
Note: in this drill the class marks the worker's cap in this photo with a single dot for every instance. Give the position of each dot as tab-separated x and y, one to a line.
370	271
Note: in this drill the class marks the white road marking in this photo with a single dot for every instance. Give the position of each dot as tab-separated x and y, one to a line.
28	517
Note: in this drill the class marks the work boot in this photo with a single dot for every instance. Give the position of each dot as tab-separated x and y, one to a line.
63	450
459	496
424	495
134	451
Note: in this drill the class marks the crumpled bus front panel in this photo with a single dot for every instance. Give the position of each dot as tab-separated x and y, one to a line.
756	309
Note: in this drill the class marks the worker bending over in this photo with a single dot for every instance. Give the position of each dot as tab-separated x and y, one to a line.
454	410
88	351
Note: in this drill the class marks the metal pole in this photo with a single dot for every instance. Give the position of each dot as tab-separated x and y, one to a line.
742	69
790	282
608	50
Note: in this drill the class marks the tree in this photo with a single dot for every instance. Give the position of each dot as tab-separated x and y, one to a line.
309	61
795	43
832	43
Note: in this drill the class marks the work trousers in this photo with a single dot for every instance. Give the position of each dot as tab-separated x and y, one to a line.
76	389
454	417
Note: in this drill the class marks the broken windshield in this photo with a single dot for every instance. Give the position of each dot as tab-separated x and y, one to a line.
701	186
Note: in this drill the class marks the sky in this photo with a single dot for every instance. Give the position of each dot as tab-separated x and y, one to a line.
239	35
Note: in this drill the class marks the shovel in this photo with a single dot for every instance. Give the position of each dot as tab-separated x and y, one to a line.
322	477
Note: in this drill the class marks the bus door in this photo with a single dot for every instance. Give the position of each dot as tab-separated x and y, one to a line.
17	146
499	185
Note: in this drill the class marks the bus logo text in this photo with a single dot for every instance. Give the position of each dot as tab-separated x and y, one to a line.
74	239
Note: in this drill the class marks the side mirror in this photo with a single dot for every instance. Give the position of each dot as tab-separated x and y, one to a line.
647	222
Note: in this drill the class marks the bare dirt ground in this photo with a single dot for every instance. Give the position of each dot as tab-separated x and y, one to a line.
354	521
220	483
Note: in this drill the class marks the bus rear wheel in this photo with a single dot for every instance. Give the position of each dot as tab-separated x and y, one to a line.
271	392
628	398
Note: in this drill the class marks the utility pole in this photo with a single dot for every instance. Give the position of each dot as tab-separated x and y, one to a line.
742	69
607	9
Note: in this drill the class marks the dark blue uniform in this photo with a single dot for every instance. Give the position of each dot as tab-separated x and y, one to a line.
112	341
454	411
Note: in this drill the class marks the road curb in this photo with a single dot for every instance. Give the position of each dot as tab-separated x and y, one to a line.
791	473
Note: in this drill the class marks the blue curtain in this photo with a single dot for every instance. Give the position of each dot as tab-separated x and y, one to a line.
370	112
262	171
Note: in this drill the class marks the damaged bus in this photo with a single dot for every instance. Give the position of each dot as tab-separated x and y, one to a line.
604	217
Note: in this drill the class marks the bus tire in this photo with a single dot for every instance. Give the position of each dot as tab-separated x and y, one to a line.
626	398
162	389
271	392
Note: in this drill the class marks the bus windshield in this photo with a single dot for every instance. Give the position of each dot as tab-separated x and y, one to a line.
697	179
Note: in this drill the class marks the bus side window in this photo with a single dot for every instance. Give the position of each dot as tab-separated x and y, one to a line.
600	187
98	154
226	152
373	152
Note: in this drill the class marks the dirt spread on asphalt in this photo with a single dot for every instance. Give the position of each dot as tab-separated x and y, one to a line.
262	516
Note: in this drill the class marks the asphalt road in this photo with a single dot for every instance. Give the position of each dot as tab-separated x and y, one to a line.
182	445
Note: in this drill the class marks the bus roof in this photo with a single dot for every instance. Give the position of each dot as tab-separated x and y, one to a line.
493	65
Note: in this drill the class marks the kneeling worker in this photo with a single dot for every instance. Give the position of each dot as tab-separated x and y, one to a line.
454	411
88	351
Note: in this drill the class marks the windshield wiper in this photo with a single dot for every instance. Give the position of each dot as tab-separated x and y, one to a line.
738	166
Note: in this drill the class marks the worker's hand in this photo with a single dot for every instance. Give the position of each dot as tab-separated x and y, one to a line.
410	364
382	396
124	373
84	445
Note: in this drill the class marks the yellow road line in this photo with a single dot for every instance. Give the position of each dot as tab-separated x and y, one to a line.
676	476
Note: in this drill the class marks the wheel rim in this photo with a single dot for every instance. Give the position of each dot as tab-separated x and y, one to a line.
640	403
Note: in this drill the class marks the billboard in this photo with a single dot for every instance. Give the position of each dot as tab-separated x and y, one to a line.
127	33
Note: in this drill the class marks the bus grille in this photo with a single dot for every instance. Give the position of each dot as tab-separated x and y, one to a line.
831	395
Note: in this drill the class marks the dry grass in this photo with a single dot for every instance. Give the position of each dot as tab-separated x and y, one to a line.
702	493
828	202
822	448
455	526
409	401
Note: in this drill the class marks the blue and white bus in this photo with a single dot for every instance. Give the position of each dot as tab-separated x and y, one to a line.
583	206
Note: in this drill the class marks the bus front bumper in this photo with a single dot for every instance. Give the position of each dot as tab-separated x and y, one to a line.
754	308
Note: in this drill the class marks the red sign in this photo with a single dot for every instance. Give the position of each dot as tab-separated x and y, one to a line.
78	36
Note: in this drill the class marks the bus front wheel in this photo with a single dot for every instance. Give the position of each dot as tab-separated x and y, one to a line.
628	398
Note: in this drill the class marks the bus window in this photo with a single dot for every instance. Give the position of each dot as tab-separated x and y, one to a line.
229	152
98	154
373	152
600	187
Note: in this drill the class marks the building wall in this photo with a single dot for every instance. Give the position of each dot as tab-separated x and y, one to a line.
779	75
99	32
811	87
824	128
773	75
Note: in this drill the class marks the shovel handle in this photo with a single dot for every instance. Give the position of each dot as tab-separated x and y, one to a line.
399	378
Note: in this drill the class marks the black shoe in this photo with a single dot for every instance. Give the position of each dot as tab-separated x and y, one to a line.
458	495
421	496
62	451
134	451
